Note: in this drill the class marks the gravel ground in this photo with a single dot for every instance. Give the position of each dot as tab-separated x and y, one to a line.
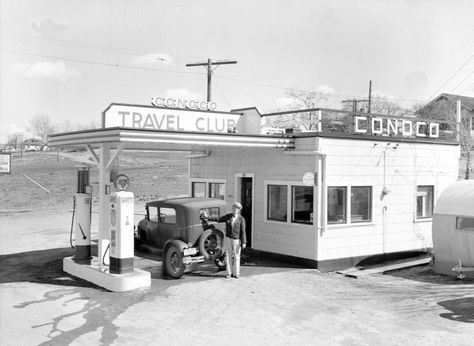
272	302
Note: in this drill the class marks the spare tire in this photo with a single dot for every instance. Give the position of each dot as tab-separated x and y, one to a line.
211	243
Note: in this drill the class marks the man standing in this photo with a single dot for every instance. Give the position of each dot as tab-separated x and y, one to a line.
235	238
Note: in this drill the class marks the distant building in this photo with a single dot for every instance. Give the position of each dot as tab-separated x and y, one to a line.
32	145
443	107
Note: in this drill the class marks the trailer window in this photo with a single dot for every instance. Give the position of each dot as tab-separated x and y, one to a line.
361	204
465	223
424	201
198	189
216	190
337	204
302	204
277	202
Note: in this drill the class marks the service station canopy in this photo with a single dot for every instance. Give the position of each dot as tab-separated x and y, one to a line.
155	128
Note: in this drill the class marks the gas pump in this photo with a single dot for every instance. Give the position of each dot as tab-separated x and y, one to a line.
82	221
121	227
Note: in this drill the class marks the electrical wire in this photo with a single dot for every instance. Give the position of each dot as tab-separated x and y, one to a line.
86	45
452	90
100	63
451	77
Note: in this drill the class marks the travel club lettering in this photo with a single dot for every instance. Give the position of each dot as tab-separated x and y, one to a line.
379	126
173	122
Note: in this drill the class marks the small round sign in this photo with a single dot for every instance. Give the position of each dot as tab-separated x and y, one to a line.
121	182
308	179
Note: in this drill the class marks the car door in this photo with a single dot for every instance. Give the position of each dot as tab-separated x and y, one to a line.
167	224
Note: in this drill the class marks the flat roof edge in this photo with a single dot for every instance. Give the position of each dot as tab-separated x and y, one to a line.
375	138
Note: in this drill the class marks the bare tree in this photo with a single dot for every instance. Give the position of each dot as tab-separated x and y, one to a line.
445	111
380	104
41	126
90	126
300	99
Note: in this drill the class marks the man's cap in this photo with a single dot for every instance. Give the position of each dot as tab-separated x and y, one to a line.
237	205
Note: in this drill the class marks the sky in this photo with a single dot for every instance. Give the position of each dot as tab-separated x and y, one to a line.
69	59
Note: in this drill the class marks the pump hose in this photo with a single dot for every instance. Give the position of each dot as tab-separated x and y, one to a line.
72	221
105	252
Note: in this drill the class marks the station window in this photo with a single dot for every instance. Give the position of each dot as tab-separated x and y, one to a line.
424	201
302	204
337	204
277	202
198	189
217	190
361	204
168	215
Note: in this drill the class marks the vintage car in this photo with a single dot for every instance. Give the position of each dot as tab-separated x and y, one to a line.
175	226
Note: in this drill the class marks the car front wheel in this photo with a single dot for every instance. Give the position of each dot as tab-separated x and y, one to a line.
174	262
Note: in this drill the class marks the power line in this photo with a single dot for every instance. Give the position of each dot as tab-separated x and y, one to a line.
98	63
304	90
470	85
451	77
452	90
81	44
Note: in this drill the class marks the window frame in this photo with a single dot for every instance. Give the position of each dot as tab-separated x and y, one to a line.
348	206
210	189
292	189
289	197
423	218
207	189
370	207
267	217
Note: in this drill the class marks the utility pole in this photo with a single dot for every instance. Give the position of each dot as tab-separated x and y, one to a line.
370	96
209	63
354	103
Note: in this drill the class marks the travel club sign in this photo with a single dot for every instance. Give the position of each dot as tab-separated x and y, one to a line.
198	116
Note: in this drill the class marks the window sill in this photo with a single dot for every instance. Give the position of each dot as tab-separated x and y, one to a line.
348	225
286	223
428	219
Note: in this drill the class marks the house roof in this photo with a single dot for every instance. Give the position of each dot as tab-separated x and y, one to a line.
32	141
466	101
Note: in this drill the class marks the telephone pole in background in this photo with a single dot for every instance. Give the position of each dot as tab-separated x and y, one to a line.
356	101
209	65
370	96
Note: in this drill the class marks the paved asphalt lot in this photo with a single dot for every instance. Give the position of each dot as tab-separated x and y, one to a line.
272	303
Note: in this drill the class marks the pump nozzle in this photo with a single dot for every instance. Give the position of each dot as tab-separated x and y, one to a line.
83	235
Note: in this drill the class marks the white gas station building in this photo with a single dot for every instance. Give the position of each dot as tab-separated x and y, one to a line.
358	187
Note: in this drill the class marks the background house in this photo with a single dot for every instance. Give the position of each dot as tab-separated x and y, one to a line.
443	108
33	145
